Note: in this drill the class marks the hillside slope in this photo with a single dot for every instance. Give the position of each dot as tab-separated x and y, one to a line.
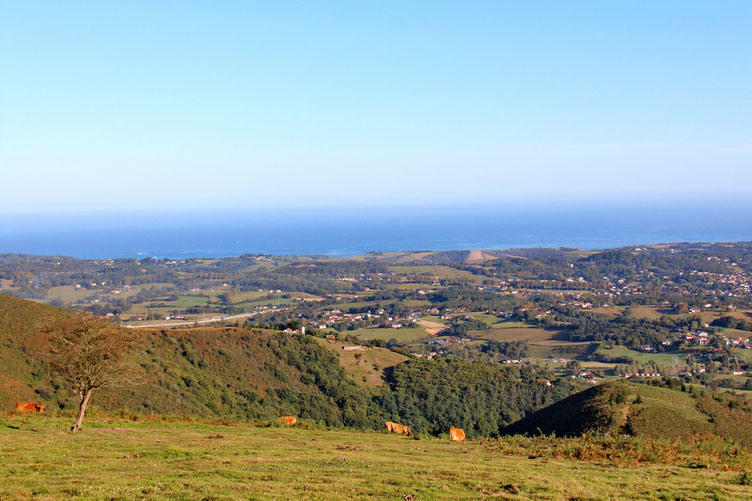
228	372
366	366
204	372
641	410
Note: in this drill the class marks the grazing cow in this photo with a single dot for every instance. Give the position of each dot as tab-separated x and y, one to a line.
456	434
29	407
288	420
398	428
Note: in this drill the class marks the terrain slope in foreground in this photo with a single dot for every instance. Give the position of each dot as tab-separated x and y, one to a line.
121	459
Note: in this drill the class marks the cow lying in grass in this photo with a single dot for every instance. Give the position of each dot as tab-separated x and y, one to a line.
288	420
398	428
29	407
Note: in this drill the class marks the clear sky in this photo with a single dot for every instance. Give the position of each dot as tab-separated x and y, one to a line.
235	104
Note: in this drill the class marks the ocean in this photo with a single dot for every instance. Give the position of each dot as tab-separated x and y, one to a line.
346	232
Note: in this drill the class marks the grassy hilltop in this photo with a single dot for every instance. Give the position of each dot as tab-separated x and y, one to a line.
643	411
117	458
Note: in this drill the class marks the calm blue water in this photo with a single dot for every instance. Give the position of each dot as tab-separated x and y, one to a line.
350	232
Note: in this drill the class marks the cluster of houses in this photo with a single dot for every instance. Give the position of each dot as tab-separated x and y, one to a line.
732	285
639	374
703	338
335	317
446	341
587	376
294	331
577	304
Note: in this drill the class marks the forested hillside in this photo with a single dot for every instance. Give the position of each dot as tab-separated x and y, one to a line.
256	374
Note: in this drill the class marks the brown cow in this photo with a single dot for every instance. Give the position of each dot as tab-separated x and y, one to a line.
398	428
456	434
29	407
288	420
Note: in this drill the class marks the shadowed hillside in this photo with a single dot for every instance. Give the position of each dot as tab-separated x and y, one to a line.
644	411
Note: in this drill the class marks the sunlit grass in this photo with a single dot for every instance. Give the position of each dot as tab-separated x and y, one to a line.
116	458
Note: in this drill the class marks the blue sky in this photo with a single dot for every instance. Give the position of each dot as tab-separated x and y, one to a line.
157	104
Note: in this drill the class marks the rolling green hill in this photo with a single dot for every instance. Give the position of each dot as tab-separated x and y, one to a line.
203	372
644	411
228	372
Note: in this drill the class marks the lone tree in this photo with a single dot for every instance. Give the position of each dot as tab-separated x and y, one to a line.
89	353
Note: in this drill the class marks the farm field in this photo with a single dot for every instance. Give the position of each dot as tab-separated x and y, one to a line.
115	458
267	301
740	314
656	312
534	335
360	304
743	354
641	357
438	271
490	320
402	335
409	286
432	325
542	344
188	301
611	311
68	294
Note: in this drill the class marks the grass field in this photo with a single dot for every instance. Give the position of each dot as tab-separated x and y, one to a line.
365	366
432	325
441	271
68	294
743	354
542	344
409	286
273	301
611	311
121	459
736	333
642	357
360	304
490	320
401	335
188	301
742	314
533	335
656	312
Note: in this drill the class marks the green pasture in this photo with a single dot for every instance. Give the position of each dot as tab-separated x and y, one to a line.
115	458
402	335
664	359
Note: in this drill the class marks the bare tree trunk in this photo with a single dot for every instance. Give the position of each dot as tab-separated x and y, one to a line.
81	409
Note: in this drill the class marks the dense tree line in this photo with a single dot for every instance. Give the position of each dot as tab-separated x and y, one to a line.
431	395
732	323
